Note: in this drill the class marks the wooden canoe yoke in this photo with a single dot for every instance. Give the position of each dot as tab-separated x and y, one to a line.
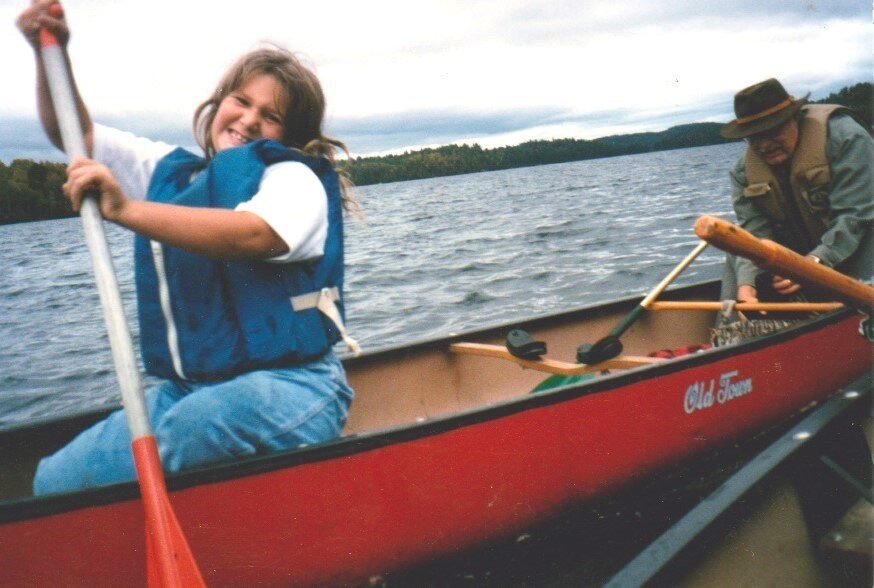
552	366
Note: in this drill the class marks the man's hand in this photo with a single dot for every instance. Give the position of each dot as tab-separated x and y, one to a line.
747	293
785	286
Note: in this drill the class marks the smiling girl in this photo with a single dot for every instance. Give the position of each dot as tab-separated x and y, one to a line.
239	269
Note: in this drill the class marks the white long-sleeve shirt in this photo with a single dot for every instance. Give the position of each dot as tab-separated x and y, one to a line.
290	198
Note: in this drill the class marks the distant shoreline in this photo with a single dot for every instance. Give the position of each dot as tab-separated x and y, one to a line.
450	160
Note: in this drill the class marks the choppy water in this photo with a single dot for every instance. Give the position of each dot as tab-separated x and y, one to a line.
434	256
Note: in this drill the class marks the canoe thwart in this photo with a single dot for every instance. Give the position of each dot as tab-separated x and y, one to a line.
552	366
749	306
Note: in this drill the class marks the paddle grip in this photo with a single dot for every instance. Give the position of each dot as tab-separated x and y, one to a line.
46	37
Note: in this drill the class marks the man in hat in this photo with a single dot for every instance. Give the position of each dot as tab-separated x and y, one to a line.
805	181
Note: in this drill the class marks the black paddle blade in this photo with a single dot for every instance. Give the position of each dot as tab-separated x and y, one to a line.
607	348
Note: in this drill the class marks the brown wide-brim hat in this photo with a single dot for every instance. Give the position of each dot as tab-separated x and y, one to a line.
760	108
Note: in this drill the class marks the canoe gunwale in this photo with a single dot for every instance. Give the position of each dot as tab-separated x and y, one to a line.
32	507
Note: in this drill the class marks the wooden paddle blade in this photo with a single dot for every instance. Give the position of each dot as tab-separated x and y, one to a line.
169	560
782	261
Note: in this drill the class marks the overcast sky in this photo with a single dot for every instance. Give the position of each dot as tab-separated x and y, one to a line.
416	73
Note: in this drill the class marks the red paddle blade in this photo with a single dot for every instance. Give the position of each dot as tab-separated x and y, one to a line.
169	560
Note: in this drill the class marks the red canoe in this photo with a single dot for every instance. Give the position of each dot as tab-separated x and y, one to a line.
444	450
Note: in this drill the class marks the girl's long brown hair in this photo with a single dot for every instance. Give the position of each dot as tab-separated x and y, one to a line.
304	114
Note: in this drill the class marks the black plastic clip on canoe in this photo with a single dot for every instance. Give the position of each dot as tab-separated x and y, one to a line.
521	344
610	346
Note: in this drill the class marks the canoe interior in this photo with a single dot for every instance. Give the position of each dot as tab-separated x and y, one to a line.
409	384
395	387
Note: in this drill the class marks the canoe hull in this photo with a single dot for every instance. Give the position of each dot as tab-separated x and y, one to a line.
370	504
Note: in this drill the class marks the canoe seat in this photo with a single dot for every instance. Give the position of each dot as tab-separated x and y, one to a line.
552	366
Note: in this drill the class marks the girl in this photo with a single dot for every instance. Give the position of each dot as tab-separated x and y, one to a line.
239	269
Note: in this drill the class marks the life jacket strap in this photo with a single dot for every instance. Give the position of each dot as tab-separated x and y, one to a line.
324	300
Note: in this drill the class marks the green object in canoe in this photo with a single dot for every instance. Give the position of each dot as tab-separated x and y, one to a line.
555	381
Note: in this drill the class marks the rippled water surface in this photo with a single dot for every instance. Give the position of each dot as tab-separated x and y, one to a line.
433	256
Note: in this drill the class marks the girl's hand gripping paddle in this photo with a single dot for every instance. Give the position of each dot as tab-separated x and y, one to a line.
168	557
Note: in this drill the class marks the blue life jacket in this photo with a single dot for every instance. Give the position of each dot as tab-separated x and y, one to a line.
203	319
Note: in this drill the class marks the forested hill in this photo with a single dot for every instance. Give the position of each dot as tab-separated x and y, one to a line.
32	190
462	159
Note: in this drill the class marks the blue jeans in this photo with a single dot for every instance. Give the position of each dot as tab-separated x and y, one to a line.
199	423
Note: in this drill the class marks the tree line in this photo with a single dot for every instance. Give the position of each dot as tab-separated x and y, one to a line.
450	160
31	190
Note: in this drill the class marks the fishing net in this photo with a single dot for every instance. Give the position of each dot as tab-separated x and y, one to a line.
742	330
733	328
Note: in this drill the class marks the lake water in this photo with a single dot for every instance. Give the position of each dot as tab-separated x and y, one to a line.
432	257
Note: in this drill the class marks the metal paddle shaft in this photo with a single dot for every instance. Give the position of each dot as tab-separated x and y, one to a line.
610	346
785	262
120	342
169	559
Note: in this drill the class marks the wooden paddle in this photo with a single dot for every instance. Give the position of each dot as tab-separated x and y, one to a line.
168	557
785	262
610	346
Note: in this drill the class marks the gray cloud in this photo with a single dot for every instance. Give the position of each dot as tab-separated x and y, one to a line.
397	131
575	19
24	138
416	128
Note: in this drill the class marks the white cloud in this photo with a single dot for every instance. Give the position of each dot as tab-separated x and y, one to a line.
384	58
